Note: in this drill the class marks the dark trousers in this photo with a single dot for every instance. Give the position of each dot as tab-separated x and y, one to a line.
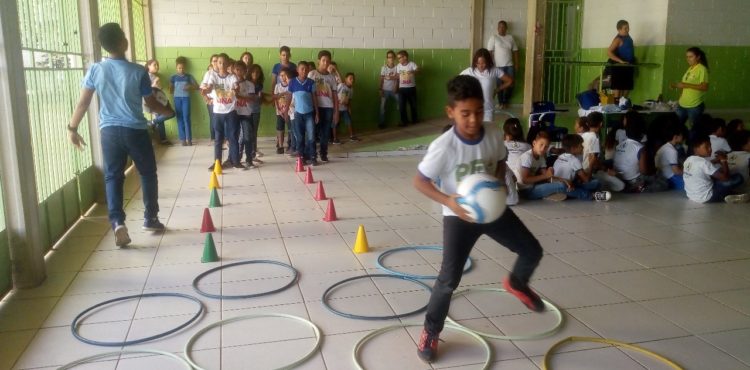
407	95
458	239
210	108
225	127
723	188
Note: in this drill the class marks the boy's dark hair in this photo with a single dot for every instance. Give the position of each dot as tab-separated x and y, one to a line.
403	52
324	53
350	74
674	128
110	36
180	60
240	64
285	71
622	23
389	52
718	123
583	122
595	119
303	63
735	125
636	125
700	140
462	88
503	22
738	140
285	48
540	135
571	141
512	127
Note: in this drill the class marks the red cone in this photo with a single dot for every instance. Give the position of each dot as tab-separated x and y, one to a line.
208	224
330	212
320	194
309	177
300	166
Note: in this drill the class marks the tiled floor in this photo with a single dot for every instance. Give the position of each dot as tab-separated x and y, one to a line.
656	270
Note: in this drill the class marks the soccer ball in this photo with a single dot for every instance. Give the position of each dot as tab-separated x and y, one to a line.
482	197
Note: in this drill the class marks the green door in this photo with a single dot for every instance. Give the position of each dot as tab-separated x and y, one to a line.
562	43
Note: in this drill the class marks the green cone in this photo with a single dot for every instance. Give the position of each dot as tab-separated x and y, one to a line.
209	250
214	202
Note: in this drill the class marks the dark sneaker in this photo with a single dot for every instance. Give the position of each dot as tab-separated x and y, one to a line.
523	293
324	158
428	345
279	150
336	141
153	224
166	142
314	162
238	165
602	196
122	238
353	138
226	164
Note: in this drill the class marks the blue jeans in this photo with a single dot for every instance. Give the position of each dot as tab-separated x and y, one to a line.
583	191
249	127
325	121
304	134
723	188
676	182
225	127
159	124
691	114
539	191
118	143
182	111
503	97
383	101
211	120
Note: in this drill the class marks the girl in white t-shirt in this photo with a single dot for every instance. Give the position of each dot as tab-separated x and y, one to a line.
208	96
513	132
484	70
225	122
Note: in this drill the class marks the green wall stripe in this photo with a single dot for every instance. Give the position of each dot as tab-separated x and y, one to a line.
5	268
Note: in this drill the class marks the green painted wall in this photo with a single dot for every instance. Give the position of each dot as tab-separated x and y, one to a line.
648	80
438	66
5	271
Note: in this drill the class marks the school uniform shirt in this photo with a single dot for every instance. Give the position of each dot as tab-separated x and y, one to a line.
180	82
283	102
621	136
738	163
533	165
302	95
451	157
590	146
291	67
697	172
718	144
515	150
389	83
344	94
120	85
204	82
502	48
225	98
666	157
566	166
488	80
405	78
247	88
627	162
325	87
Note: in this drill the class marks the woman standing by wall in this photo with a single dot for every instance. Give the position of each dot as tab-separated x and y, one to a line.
694	85
622	51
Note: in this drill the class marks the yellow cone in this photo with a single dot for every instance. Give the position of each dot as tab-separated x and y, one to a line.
217	167
360	245
214	183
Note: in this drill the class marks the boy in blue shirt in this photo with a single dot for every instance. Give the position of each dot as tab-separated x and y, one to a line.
305	113
180	85
120	85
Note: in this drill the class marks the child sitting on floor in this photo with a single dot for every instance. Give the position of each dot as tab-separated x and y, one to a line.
631	162
706	182
569	170
516	146
667	158
535	176
591	150
739	158
718	142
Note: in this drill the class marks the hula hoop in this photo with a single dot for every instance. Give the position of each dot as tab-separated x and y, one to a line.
531	336
370	335
616	343
88	359
75	323
385	254
220	296
191	341
360	317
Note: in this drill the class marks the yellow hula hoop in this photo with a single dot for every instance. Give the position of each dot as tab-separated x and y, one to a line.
616	343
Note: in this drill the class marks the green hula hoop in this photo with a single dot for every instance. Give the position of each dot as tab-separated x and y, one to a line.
531	336
191	341
85	360
374	333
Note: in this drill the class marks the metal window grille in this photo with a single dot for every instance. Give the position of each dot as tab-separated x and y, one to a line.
562	43
139	32
110	11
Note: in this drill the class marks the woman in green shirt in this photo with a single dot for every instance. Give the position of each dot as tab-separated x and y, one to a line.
694	85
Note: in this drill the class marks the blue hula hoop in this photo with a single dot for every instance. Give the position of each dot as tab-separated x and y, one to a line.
243	296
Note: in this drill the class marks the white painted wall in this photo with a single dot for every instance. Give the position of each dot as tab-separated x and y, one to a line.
313	23
647	19
511	11
709	23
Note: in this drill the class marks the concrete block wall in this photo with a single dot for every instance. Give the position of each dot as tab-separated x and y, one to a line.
647	18
512	11
709	22
360	24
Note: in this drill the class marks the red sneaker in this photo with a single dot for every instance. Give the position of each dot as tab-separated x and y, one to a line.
524	294
427	347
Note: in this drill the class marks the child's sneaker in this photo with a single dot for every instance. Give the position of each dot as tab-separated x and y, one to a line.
324	158
353	138
238	165
279	150
153	224
258	154
226	164
122	238
556	197
602	196
737	198
523	293
427	347
314	162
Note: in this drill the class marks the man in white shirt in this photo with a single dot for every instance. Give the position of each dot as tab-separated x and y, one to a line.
505	53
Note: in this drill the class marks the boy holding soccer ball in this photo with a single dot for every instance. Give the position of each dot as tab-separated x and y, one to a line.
469	147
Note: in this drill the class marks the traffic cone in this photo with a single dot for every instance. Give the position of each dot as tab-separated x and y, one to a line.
208	224
300	165
360	244
209	250
330	212
308	176
320	194
214	183
215	201
217	167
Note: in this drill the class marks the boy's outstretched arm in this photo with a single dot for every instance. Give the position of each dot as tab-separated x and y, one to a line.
426	187
83	105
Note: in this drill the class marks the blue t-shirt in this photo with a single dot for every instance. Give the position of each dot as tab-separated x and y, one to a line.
626	51
120	86
291	67
179	83
302	93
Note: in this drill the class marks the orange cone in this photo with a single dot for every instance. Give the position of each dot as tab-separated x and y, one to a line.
330	212
300	166
320	194
309	177
208	224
